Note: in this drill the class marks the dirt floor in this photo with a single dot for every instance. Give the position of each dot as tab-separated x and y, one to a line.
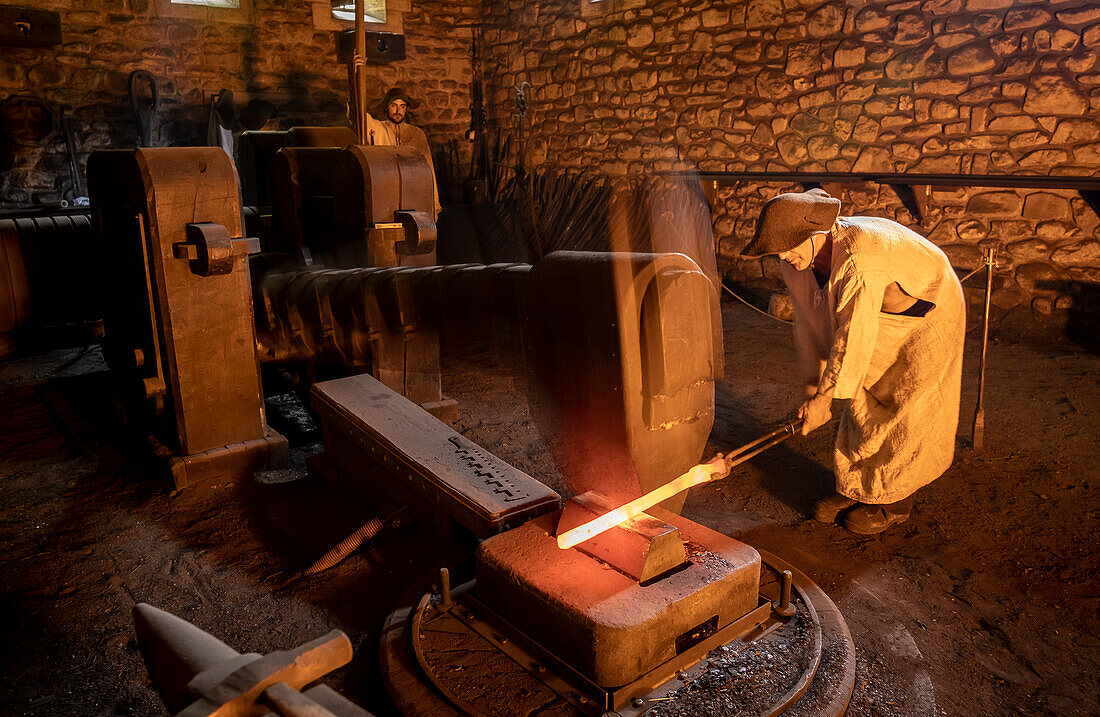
984	603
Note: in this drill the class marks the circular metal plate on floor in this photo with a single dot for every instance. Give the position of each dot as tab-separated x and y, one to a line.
434	663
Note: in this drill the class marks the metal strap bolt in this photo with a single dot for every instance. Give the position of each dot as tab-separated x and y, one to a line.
784	606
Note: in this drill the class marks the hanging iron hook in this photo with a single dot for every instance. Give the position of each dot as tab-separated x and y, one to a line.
521	98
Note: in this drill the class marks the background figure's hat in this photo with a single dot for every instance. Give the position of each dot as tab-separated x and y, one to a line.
396	93
225	108
787	220
257	113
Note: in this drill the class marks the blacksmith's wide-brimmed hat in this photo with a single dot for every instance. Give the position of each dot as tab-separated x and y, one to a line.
396	93
787	220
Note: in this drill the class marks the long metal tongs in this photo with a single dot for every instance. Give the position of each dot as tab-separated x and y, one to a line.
753	448
144	106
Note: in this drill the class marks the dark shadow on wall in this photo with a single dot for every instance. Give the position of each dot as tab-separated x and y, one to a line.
303	103
249	60
297	85
1083	315
181	125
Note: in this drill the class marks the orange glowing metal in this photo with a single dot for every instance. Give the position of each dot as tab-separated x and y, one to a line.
718	468
703	473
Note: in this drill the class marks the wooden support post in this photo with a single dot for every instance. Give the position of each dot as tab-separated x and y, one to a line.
360	76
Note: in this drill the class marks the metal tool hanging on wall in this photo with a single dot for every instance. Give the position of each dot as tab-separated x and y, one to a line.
75	191
144	106
29	27
26	120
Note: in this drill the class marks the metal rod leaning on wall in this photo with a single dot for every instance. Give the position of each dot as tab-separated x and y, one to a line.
978	430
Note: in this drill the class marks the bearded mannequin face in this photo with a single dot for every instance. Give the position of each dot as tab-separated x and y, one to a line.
396	111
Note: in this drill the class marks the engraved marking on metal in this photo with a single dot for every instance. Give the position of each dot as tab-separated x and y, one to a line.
487	469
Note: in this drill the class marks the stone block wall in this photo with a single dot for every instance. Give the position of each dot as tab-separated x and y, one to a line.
277	54
626	87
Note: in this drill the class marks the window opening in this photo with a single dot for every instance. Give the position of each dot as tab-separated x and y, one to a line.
231	4
373	10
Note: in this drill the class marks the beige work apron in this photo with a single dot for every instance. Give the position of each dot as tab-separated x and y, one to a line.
897	434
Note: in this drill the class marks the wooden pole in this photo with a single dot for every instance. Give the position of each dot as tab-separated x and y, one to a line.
360	76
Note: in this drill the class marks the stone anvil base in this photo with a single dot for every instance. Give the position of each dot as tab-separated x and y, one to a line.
605	625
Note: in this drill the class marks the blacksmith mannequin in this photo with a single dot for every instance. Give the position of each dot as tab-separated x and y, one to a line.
395	130
879	321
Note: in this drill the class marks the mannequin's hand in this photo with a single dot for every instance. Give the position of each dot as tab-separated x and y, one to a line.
815	412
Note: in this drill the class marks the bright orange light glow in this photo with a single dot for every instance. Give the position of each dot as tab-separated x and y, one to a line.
702	473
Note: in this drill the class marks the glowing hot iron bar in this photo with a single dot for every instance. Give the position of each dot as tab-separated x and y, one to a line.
718	468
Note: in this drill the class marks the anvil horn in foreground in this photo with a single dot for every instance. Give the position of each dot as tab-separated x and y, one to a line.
198	675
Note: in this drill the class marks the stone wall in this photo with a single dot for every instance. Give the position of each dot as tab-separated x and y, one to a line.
278	53
625	87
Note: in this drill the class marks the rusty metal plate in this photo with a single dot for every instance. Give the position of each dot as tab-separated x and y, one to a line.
381	46
27	27
469	669
26	120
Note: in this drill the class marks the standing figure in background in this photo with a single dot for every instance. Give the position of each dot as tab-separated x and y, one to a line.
879	321
395	130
